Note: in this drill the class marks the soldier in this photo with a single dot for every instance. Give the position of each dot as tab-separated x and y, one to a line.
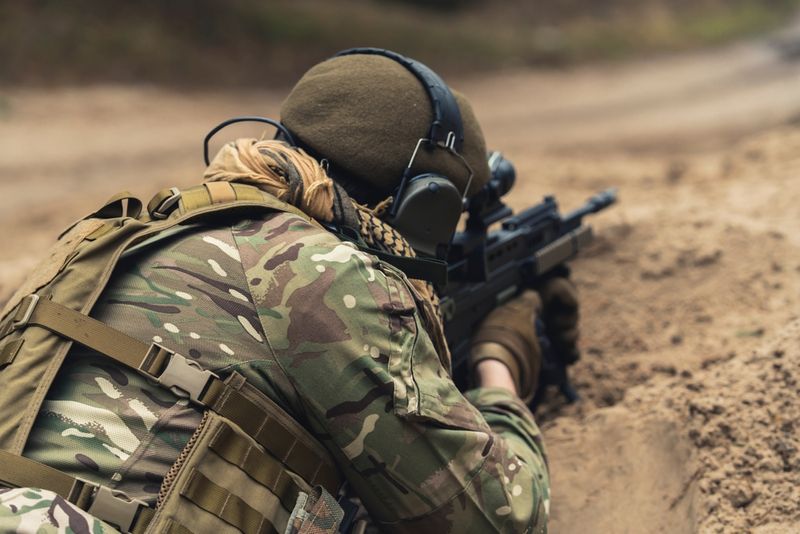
300	310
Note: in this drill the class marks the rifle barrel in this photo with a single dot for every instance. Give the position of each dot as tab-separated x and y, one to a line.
598	202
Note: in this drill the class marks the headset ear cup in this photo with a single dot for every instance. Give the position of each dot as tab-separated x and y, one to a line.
427	213
427	207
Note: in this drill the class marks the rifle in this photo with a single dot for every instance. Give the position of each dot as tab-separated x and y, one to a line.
486	269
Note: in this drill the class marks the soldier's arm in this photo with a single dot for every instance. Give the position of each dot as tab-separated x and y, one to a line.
345	332
497	399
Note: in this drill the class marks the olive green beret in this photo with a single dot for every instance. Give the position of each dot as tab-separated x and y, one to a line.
365	113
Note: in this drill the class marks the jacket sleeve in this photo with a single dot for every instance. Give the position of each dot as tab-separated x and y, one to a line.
345	331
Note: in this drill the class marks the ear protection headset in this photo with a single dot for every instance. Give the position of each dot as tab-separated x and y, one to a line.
427	206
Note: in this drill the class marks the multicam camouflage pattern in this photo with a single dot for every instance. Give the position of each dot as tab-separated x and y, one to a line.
106	423
331	334
35	511
315	514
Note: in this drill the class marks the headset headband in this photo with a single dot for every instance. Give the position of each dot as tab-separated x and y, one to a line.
446	128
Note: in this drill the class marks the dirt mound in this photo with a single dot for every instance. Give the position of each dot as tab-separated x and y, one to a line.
686	272
621	470
741	417
680	294
711	451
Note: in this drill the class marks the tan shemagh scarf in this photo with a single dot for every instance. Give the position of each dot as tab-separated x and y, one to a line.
291	175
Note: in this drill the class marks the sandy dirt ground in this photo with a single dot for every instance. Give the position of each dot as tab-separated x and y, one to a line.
691	338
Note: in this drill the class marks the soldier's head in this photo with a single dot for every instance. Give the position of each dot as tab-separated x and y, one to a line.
387	126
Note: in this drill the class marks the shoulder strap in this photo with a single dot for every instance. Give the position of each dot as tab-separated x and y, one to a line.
174	202
429	269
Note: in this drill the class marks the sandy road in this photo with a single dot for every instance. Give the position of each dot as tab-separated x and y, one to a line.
694	267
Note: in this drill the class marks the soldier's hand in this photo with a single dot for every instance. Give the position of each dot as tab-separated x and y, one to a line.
508	335
560	316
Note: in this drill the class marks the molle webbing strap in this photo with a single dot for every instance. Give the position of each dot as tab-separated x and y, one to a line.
206	195
22	472
175	372
220	192
271	434
167	201
83	329
129	515
429	269
261	467
122	204
225	505
173	527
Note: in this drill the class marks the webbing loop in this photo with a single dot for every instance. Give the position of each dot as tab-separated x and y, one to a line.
261	467
9	350
274	436
19	316
220	192
122	204
24	311
163	203
228	507
173	527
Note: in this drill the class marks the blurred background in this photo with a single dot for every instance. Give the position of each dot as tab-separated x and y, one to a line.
207	43
691	108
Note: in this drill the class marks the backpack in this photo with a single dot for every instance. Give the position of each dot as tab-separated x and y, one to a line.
249	467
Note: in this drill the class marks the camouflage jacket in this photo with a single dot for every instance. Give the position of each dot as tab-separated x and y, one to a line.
331	334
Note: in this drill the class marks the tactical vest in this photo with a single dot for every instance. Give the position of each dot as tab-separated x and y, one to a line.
249	466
